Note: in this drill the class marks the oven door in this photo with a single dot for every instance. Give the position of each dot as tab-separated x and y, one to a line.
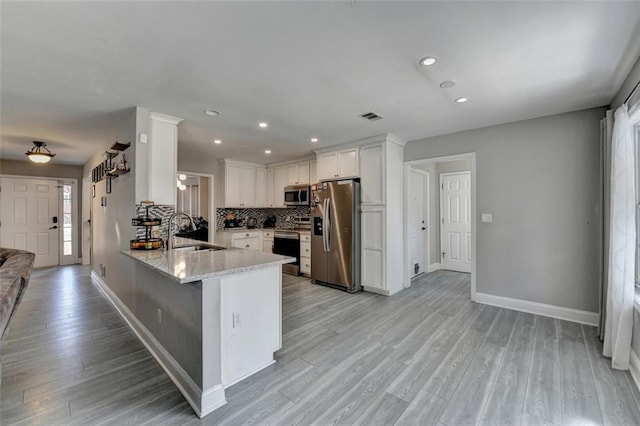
288	244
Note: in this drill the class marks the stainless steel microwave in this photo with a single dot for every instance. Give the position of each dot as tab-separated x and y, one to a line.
297	195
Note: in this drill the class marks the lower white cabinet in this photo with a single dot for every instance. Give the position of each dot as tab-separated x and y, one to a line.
305	253
267	241
248	240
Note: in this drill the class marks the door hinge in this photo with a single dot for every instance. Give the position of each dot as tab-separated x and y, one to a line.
442	185
443	220
443	253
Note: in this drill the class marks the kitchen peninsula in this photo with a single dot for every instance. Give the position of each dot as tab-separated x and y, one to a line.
210	317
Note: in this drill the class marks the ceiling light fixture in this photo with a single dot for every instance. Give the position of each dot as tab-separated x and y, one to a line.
178	183
462	100
267	151
447	84
182	176
263	124
314	139
427	61
183	187
212	112
217	141
37	155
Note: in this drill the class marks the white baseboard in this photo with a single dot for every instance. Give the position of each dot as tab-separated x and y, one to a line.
553	311
634	368
434	267
202	403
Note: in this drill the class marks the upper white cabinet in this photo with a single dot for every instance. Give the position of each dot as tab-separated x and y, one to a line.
313	171
338	164
297	173
269	187
239	186
278	186
372	174
261	187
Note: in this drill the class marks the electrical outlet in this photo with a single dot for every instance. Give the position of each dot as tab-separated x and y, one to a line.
236	320
159	316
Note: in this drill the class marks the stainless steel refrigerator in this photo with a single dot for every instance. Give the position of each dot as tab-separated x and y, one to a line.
335	234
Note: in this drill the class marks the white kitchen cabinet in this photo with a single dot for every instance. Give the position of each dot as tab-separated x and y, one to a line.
382	244
267	241
372	176
261	187
313	171
244	239
327	165
249	240
238	184
278	186
338	164
305	253
297	173
269	187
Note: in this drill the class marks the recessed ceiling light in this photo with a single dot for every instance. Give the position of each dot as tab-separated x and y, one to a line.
314	139
217	141
462	100
212	112
267	151
447	84
428	61
263	124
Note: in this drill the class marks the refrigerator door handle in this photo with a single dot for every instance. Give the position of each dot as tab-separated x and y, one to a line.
327	225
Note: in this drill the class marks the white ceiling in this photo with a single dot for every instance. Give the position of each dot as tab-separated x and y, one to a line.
309	69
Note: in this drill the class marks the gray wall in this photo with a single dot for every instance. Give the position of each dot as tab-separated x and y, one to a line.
111	224
540	180
53	170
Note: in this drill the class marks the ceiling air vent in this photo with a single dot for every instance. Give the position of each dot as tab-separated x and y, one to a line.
371	116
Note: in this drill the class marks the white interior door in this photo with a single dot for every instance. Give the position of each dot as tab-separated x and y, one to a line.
455	226
27	211
418	222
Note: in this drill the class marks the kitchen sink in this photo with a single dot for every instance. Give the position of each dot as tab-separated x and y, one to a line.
200	247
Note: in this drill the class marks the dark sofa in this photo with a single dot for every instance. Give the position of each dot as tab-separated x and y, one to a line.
15	269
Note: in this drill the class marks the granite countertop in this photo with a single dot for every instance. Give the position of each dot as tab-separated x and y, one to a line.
243	229
189	266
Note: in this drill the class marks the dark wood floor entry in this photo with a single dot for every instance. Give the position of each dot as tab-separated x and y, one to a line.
424	356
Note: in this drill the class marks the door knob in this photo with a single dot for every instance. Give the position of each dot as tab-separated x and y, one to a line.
54	227
423	228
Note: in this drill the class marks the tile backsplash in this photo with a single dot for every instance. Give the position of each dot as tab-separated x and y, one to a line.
161	211
284	217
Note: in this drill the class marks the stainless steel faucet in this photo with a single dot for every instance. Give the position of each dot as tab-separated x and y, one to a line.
170	243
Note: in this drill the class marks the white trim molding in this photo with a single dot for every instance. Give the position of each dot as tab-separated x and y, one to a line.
553	311
634	368
434	267
202	402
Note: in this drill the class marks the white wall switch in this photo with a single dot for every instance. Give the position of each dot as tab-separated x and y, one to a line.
487	217
143	138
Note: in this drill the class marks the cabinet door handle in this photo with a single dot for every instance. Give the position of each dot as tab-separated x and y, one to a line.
307	250
247	246
246	235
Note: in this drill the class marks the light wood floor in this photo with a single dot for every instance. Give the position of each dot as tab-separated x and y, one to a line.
424	356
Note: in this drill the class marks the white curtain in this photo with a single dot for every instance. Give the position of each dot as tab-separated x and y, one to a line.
622	244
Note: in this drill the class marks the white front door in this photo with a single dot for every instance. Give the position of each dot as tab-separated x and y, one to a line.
455	223
29	217
417	221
